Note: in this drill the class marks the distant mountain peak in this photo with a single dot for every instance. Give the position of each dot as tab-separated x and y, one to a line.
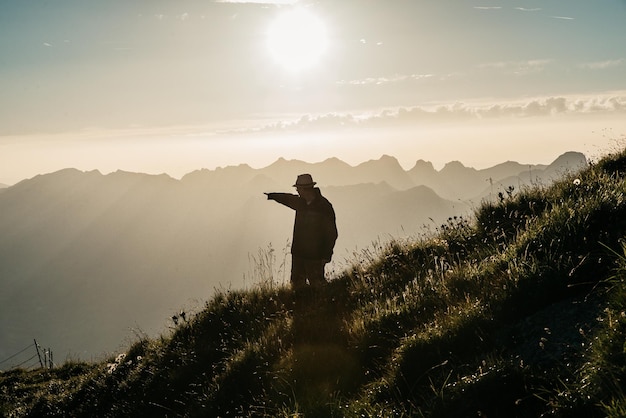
387	157
245	167
570	158
454	164
242	166
390	160
281	162
423	165
455	167
386	160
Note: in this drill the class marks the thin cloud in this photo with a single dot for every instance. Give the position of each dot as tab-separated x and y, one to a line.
398	78
259	1
499	65
519	68
488	7
523	9
562	17
532	67
603	65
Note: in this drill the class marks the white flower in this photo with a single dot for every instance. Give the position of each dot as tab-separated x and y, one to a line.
576	182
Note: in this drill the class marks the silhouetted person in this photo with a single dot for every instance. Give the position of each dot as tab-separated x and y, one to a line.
314	231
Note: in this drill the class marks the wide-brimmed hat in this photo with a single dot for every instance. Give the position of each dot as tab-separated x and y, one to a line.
304	180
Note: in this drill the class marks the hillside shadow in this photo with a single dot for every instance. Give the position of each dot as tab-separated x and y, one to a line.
323	367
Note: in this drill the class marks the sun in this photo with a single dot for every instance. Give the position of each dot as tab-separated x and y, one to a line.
297	39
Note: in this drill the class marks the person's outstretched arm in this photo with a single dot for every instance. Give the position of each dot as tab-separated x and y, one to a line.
287	199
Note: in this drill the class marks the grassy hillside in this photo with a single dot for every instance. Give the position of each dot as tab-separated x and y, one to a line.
519	311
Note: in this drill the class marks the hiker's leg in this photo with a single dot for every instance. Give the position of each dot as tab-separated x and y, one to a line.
315	272
298	273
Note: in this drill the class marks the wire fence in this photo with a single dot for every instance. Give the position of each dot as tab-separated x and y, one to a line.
30	357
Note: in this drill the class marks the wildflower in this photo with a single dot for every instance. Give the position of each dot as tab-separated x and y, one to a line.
576	182
111	367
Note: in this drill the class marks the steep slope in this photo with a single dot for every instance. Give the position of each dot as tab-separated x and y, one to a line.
568	163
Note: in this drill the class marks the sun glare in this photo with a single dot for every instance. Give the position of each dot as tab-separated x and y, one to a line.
297	39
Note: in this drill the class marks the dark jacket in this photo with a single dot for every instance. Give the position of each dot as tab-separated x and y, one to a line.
314	230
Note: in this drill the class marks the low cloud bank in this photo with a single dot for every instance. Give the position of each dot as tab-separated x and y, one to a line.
544	107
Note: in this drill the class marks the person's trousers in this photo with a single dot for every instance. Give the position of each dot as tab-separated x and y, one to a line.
303	269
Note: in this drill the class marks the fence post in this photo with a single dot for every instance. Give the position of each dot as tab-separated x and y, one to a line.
38	353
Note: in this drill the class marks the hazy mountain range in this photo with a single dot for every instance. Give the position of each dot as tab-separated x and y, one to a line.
87	258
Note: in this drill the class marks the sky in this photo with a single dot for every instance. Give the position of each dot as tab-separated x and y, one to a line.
164	86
